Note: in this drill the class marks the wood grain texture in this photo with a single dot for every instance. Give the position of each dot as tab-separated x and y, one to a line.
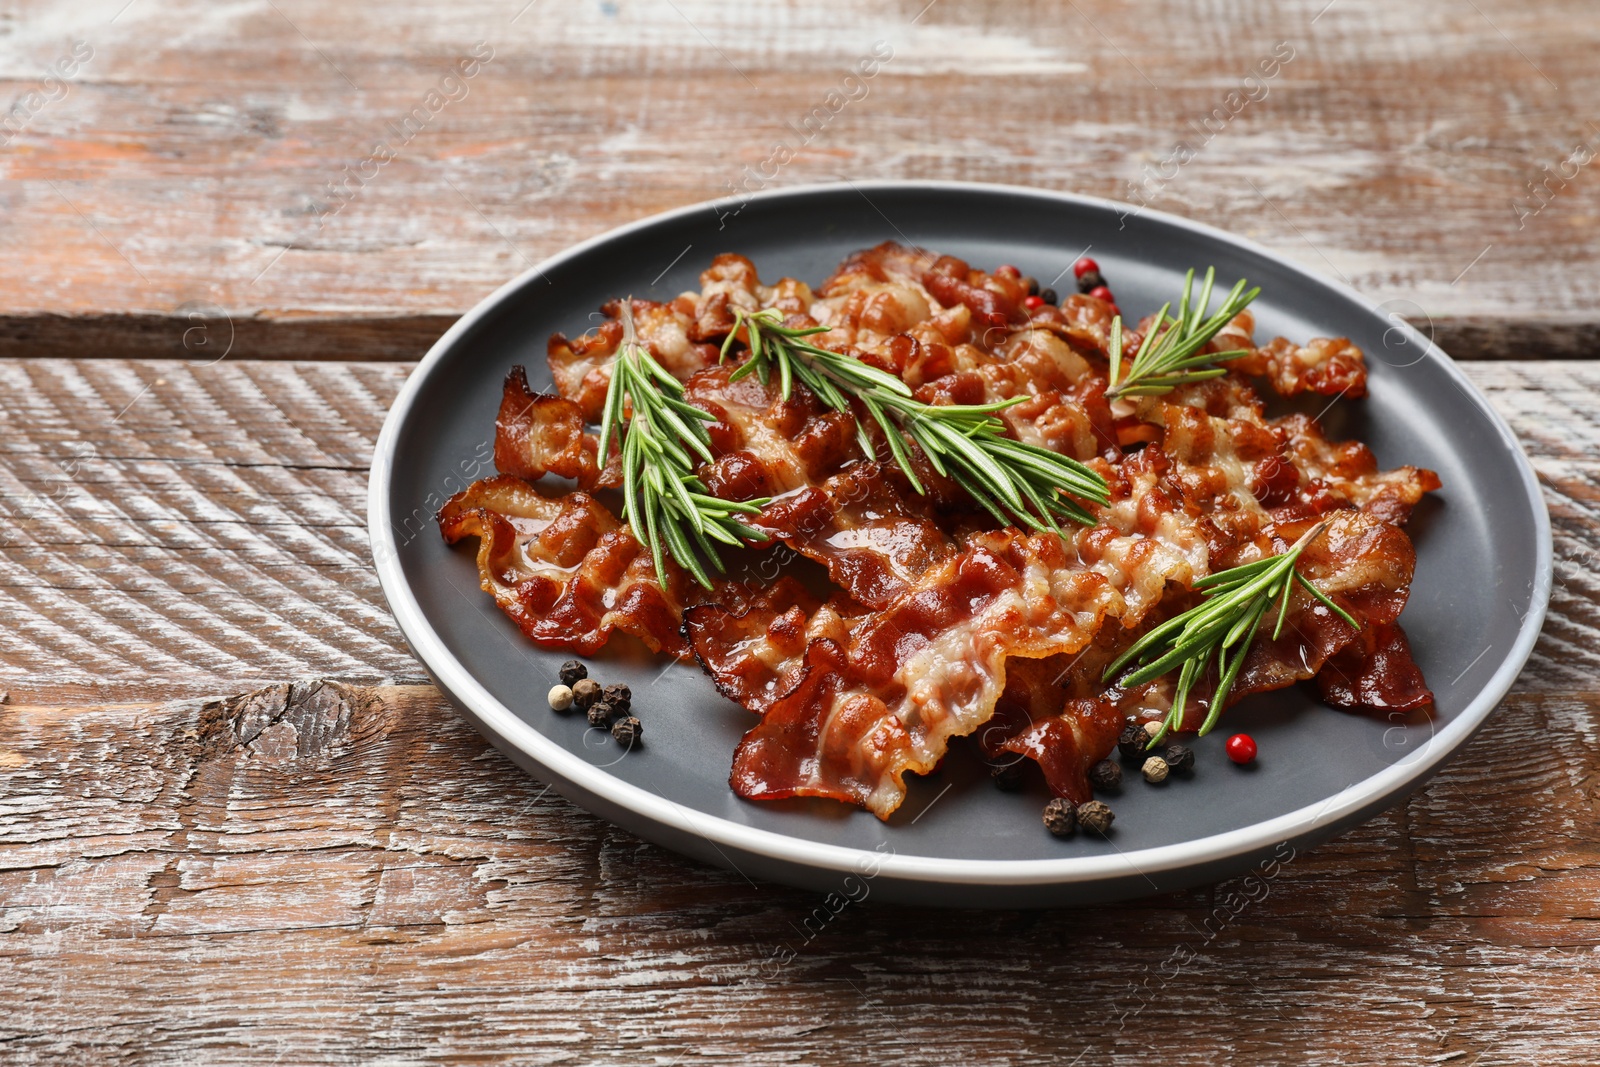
236	828
1423	151
327	874
173	526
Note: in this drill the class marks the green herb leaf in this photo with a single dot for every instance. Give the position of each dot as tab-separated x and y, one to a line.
1220	629
1019	484
1171	355
669	509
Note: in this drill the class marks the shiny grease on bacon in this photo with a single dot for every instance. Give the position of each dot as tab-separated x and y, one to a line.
940	625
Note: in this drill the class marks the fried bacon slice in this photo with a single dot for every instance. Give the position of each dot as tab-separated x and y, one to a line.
1327	366
877	538
1036	719
881	695
940	626
539	433
1065	745
875	295
754	647
763	444
1147	538
1346	473
831	504
1364	565
1375	672
581	366
1238	478
565	571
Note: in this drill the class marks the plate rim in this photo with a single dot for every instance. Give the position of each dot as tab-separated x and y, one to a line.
505	726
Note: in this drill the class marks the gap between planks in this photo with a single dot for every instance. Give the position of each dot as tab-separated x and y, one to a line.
406	337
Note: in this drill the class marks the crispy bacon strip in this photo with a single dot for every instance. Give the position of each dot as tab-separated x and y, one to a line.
1364	565
1063	404
874	295
1066	745
1346	473
581	366
538	433
1327	366
877	537
1287	466
754	648
1036	719
1375	673
765	445
1220	458
883	697
861	520
564	570
939	629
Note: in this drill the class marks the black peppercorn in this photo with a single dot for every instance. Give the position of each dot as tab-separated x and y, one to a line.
1179	757
627	731
1133	741
1033	285
600	714
1095	816
1060	817
572	672
584	693
1049	296
1007	777
1107	774
1090	280
619	696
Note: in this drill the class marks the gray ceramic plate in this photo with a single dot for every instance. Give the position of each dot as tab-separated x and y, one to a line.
1482	581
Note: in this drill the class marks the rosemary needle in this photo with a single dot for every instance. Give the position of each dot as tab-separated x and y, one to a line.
1171	355
663	440
1222	628
1017	483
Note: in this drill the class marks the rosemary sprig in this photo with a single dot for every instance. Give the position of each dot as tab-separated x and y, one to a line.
666	504
1223	628
1171	355
1019	484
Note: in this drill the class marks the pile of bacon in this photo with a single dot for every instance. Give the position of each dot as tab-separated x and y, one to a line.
935	624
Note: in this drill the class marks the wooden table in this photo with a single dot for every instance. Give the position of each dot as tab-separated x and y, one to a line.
236	823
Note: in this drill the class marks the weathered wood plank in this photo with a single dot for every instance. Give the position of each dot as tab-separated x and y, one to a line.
336	874
1432	153
169	524
209	855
